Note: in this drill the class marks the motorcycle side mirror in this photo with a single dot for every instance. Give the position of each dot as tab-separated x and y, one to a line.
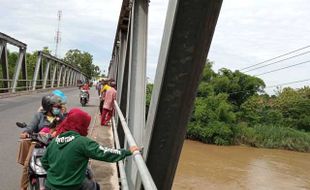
21	124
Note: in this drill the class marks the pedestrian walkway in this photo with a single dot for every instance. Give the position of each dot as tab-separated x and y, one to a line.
105	173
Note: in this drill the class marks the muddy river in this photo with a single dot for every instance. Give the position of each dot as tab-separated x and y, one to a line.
212	167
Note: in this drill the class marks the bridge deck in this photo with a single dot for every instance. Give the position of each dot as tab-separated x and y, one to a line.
105	173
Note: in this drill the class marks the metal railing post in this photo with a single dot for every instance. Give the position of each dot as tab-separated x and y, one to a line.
59	75
54	74
5	65
46	73
74	79
64	77
18	68
36	71
71	75
68	77
1	47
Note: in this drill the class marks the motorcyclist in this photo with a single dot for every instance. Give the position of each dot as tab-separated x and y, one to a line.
86	88
66	158
51	105
63	101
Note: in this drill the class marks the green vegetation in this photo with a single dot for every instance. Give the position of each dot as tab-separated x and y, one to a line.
270	136
232	108
149	89
84	61
31	60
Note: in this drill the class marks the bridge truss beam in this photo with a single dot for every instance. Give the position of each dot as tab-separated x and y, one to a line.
20	65
64	74
186	41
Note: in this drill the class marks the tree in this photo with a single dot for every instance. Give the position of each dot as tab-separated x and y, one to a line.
12	59
84	61
31	61
295	107
260	110
212	120
148	96
231	107
238	85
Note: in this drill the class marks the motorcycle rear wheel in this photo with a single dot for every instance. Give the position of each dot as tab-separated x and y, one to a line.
35	183
35	186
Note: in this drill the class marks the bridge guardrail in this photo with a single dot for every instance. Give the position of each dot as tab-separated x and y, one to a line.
146	177
121	166
52	73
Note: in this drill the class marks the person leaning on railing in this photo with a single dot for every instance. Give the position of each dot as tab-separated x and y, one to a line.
66	158
108	104
104	87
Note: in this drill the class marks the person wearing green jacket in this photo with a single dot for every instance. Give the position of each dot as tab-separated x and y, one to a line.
66	157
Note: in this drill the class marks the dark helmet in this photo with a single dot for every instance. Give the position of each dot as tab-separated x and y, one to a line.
49	100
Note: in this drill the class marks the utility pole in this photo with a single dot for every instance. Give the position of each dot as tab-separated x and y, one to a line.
57	37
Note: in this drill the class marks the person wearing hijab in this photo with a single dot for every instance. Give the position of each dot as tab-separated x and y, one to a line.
66	157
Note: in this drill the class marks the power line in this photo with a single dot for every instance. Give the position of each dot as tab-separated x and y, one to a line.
275	57
281	84
283	68
279	61
287	83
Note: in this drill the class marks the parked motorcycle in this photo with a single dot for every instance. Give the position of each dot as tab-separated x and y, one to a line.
84	97
37	174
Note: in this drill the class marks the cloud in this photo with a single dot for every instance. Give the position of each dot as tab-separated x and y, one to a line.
85	25
247	32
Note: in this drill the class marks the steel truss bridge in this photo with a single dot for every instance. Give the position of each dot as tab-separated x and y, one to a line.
187	37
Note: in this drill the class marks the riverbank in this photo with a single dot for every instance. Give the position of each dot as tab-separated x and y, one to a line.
274	137
260	136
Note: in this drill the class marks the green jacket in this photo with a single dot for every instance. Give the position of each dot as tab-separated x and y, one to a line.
66	159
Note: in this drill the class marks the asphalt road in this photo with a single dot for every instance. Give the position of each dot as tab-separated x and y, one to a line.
22	108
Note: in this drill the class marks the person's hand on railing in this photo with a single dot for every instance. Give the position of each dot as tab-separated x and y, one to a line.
134	148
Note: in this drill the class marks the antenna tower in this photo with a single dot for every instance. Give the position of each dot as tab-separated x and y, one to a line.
57	36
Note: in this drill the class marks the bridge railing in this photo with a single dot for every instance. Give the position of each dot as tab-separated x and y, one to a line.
26	86
49	71
145	175
186	40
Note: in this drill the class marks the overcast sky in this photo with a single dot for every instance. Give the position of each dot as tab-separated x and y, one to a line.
248	32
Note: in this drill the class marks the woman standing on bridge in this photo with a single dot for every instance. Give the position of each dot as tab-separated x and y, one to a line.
108	104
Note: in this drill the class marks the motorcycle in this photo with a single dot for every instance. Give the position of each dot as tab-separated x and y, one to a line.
36	172
84	97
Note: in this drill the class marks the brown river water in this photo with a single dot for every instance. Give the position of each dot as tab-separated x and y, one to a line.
210	167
